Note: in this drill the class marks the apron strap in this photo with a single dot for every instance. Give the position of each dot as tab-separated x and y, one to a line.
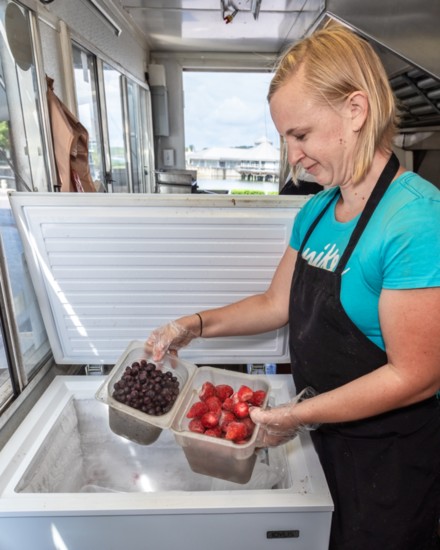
378	192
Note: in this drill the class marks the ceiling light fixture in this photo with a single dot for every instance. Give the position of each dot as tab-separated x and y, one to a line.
229	10
228	18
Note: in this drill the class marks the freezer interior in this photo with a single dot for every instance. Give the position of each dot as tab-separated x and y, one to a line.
70	448
80	454
65	476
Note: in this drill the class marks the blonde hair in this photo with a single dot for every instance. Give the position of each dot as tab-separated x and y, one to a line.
336	63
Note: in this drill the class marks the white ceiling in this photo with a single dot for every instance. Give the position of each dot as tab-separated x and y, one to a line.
198	25
407	38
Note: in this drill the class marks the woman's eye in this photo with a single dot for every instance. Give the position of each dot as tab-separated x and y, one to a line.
301	137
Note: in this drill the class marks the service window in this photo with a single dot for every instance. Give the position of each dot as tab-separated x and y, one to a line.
24	345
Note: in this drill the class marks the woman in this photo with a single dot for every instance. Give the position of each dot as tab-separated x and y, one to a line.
359	286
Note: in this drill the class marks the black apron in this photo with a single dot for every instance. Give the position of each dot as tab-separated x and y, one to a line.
383	472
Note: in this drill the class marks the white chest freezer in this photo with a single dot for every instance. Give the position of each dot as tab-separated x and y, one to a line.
107	269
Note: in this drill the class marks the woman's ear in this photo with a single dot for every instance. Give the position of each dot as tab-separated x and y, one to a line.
358	109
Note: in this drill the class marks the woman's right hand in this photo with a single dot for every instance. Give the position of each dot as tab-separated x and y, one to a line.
168	338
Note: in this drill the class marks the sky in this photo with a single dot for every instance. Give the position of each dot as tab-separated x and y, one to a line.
226	109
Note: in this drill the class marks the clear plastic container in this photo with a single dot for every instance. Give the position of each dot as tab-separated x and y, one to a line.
212	456
132	423
206	455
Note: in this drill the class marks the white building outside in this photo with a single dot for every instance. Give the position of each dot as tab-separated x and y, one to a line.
258	163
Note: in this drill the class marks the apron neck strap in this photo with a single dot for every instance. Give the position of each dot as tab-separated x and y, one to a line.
378	192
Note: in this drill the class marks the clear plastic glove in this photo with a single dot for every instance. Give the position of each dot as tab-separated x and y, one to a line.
168	338
280	424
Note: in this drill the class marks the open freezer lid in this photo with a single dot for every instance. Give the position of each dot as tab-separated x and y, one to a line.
107	269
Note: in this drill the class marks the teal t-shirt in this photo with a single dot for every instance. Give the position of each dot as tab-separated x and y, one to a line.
399	248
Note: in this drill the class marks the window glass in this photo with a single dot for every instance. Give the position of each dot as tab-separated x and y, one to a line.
130	157
230	138
113	82
22	159
140	129
6	390
86	86
22	167
33	342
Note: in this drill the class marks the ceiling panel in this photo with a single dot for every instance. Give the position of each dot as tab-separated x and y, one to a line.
198	25
405	36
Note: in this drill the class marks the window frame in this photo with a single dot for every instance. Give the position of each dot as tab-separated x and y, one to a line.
19	369
146	146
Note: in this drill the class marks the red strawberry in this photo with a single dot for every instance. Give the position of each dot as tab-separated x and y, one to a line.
236	431
214	404
222	391
196	426
225	418
228	404
214	432
210	419
241	410
235	398
208	390
244	393
250	426
197	410
258	398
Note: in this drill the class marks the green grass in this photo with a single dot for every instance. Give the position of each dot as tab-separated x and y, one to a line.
251	192
246	192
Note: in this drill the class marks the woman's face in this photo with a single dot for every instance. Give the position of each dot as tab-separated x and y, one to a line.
320	138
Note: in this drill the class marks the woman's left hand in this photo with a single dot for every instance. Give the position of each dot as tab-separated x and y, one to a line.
280	424
276	426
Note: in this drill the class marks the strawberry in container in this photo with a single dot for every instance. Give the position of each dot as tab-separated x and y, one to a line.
219	406
209	414
214	428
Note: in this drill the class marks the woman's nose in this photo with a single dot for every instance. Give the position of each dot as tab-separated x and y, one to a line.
294	154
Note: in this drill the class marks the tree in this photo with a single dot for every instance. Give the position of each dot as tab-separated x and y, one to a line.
4	135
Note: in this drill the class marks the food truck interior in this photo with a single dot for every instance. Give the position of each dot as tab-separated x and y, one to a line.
84	274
